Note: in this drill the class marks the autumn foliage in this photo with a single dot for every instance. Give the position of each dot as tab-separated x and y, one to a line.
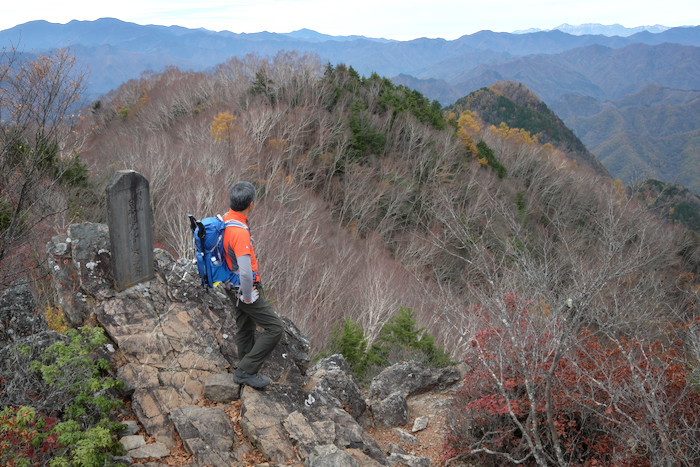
571	302
606	402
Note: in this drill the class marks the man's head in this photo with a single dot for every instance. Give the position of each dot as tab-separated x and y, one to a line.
242	195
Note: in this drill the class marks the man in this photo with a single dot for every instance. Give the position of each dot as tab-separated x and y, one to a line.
251	309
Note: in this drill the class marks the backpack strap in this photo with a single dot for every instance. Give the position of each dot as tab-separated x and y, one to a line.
234	223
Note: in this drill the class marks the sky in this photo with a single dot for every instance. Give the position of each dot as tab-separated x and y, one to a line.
391	19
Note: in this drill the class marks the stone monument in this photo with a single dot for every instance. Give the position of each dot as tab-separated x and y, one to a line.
130	221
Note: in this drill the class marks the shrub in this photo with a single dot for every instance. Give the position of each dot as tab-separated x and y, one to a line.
82	433
349	340
613	401
398	340
71	369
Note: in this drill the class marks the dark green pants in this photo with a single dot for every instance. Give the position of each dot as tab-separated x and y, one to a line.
252	350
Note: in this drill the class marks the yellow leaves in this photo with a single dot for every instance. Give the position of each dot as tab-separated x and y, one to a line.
620	191
468	127
469	122
221	126
483	161
56	319
515	134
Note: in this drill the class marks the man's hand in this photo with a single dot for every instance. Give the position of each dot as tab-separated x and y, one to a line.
254	296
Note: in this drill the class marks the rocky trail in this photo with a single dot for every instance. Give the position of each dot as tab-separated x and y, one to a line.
173	346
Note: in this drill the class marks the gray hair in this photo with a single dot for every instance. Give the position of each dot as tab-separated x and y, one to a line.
242	194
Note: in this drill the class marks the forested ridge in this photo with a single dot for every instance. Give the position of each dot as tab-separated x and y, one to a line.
573	304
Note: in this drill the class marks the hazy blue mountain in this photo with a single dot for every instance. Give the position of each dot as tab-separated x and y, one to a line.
654	133
313	36
468	63
596	71
602	29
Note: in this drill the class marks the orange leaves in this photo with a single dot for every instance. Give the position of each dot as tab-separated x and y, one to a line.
222	125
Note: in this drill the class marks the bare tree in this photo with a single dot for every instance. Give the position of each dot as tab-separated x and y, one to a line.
37	101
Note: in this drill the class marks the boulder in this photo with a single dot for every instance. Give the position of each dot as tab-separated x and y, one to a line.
131	442
331	382
80	268
420	423
175	345
153	450
131	427
410	378
391	411
406	437
409	461
329	455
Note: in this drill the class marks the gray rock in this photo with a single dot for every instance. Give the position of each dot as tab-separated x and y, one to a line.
132	427
178	340
122	460
406	437
391	411
155	450
306	423
410	461
206	433
19	316
330	456
410	378
394	448
138	376
80	265
222	388
420	424
331	381
132	442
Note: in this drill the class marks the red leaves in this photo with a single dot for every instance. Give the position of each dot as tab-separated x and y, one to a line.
608	397
495	404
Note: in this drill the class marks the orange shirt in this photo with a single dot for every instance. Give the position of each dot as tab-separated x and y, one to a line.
238	242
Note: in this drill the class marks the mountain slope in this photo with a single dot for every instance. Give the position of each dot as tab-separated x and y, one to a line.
651	134
596	71
516	106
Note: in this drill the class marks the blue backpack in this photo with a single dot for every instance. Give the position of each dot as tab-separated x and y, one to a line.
209	250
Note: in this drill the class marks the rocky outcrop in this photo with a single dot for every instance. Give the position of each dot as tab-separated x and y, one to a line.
287	423
19	316
331	382
174	349
206	433
170	334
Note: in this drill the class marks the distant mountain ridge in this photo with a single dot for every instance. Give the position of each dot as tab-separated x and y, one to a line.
571	73
602	29
201	48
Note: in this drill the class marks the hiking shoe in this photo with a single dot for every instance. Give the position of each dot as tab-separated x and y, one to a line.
254	381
